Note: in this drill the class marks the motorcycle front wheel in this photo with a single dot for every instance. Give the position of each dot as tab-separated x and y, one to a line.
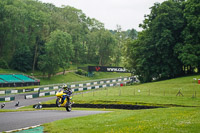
58	104
68	106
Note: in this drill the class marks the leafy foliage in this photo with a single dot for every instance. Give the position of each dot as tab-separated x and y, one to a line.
168	43
31	23
22	59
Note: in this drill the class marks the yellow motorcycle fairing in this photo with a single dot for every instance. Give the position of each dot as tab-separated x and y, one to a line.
59	95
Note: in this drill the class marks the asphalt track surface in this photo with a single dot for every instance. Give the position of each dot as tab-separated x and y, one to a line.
17	120
26	102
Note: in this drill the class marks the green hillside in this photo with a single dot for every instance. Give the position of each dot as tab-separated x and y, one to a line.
162	93
180	113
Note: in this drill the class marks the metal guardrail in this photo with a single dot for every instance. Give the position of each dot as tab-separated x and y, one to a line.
70	84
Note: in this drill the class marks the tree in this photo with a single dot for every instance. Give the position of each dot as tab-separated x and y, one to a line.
189	50
153	54
22	59
58	52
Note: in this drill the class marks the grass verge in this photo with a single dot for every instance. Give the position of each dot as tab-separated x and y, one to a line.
167	120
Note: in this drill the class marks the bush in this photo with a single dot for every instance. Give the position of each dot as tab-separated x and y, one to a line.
3	64
81	72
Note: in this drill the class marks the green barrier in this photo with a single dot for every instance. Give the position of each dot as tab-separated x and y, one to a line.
75	89
20	91
2	99
35	95
47	94
51	88
8	91
12	98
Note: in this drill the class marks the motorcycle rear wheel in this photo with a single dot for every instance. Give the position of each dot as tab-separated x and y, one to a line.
68	106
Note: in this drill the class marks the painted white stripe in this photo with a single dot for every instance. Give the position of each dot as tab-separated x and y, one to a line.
111	84
96	87
72	90
46	88
2	92
89	88
80	89
80	85
95	83
24	90
42	94
119	79
14	91
10	131
20	107
113	80
73	86
125	78
52	93
55	87
36	89
7	99
87	84
101	82
29	96
108	81
118	84
104	86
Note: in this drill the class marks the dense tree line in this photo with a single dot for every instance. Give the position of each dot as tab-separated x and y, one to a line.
169	45
35	35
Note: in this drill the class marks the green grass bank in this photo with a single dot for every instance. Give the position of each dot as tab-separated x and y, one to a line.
167	120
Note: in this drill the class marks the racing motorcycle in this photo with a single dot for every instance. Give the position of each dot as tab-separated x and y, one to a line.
63	100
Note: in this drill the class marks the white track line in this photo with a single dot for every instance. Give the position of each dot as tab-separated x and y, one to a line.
25	128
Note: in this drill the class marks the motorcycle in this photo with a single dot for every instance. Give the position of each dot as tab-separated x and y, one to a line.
63	100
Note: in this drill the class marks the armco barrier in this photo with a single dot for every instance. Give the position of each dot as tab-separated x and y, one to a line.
7	99
39	95
28	90
75	89
101	81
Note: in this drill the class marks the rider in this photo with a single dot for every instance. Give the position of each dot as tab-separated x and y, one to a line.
67	91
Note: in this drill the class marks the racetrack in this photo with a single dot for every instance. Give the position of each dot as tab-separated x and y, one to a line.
16	120
26	102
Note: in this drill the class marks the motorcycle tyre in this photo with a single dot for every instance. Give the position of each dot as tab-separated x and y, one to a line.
58	104
68	107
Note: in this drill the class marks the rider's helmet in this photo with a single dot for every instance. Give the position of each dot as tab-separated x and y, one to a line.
65	87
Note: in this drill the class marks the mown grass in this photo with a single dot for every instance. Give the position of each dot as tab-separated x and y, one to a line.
163	93
166	120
